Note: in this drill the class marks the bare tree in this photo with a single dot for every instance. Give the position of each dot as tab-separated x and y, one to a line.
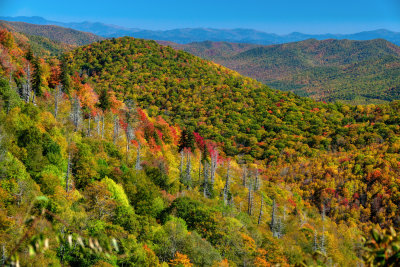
188	171
182	162
67	182
27	86
138	165
89	133
97	120
57	99
273	215
261	211
3	255
257	182
315	243
250	201
200	167
213	170
102	126
116	129
322	247
76	113
226	192
129	137
205	173
277	230
2	149
131	119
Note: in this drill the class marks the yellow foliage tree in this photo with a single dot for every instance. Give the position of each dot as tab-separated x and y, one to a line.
181	260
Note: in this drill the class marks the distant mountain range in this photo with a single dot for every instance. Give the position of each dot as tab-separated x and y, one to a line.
188	35
354	71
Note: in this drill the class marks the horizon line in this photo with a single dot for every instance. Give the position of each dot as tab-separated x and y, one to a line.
198	27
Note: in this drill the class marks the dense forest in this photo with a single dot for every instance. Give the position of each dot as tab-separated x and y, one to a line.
128	153
55	33
354	72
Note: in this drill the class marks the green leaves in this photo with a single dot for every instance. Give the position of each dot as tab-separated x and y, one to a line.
376	235
383	249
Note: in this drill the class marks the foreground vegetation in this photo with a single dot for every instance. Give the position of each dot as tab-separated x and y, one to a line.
130	153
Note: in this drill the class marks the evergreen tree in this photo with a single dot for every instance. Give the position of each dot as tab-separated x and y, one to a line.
37	78
186	140
104	100
65	75
29	54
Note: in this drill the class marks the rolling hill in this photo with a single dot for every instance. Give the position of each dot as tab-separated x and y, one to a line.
54	33
353	71
41	46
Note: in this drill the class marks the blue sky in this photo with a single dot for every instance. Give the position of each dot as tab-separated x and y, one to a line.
279	16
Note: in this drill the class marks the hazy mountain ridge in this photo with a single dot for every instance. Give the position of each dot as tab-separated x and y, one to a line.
188	35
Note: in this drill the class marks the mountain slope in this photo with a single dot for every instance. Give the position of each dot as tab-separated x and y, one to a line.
107	195
243	115
355	71
41	46
219	103
103	183
55	33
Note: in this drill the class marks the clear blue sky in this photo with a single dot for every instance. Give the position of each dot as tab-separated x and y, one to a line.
279	16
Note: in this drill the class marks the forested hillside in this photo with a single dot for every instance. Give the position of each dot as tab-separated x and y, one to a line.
52	32
41	46
128	153
352	71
